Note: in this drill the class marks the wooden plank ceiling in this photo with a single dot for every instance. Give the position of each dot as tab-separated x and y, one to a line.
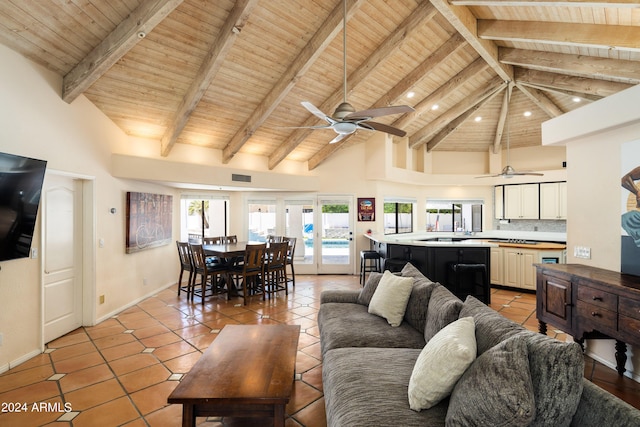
230	75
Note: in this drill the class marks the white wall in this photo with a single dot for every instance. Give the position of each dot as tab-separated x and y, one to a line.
77	139
593	136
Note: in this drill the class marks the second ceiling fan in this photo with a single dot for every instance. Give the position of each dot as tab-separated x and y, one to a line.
345	119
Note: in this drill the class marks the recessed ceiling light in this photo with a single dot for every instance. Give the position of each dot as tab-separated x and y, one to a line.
576	99
411	94
478	119
527	113
435	107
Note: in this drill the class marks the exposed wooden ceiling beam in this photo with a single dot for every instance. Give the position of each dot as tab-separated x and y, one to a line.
325	152
578	85
620	37
305	59
207	72
502	119
575	65
461	18
451	46
539	98
442	92
109	51
418	17
548	3
471	103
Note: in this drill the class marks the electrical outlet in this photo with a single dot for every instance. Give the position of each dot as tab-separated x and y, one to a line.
1	339
583	252
101	299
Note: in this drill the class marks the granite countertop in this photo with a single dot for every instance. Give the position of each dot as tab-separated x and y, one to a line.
533	240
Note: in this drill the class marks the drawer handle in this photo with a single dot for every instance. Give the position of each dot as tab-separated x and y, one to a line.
595	314
597	298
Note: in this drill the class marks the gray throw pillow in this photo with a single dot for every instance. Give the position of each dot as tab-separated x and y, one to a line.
557	371
369	288
496	390
444	308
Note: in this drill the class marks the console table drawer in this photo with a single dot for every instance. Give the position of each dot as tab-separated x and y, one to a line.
597	297
596	317
630	307
630	329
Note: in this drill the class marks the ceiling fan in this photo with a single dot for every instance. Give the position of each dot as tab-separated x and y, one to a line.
345	119
508	171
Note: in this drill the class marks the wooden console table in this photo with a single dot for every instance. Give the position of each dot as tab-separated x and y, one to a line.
247	371
588	302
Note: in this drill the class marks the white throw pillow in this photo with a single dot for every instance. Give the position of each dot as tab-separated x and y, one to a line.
441	363
391	297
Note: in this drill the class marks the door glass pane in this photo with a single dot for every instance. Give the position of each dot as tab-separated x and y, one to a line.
335	233
262	221
206	218
299	224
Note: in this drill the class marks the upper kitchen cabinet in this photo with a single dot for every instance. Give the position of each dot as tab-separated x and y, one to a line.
498	201
521	201
553	200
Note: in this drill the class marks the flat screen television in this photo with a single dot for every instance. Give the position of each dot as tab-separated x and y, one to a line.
21	181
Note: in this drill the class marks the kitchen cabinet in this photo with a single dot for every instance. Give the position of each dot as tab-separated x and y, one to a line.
589	302
553	200
498	201
496	267
519	270
522	201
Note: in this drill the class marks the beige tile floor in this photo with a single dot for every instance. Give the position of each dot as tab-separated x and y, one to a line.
120	372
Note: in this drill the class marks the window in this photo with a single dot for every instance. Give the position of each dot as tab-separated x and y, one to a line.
202	216
398	217
454	215
262	219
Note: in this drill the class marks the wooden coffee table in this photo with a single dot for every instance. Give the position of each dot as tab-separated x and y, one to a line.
247	371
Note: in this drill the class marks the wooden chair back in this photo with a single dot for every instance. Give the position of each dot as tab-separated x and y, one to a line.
230	239
183	254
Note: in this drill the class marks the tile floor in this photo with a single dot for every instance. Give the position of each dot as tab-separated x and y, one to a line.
120	372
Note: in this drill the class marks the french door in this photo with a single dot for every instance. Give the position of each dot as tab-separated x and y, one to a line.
323	228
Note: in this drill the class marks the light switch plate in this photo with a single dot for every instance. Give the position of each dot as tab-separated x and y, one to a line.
583	252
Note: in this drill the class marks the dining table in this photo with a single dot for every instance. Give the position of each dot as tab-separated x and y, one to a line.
231	254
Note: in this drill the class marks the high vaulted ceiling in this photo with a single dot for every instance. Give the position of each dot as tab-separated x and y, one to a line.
230	75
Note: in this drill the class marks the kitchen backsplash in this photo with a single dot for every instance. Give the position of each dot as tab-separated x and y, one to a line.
530	225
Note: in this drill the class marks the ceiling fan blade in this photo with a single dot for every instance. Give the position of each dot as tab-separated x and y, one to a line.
378	112
383	128
316	111
306	127
340	137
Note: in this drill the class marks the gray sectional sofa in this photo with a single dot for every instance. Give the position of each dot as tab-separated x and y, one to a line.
367	366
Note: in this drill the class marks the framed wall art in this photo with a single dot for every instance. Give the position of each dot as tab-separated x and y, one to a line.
366	209
149	218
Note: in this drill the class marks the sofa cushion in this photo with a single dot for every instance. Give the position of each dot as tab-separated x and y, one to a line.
491	327
366	387
496	390
350	325
444	308
416	313
391	297
369	288
557	370
441	363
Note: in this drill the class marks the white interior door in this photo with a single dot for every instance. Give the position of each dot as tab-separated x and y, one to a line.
334	235
62	279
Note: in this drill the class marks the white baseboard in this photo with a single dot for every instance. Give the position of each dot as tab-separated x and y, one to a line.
18	361
131	304
610	364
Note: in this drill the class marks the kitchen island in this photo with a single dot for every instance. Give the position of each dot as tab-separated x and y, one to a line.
499	258
463	266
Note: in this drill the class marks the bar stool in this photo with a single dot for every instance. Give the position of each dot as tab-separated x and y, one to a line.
395	265
470	279
369	261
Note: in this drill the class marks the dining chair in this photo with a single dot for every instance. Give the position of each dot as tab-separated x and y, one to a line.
186	264
275	271
273	239
212	240
249	275
210	274
230	239
291	250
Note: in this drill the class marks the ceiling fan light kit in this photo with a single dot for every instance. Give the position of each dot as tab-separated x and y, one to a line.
346	120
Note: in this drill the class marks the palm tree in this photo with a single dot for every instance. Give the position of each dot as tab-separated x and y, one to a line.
200	207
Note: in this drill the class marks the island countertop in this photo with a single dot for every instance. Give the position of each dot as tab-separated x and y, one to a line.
533	240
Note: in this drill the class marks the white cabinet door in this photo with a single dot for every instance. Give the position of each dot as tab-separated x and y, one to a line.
496	266
521	201
553	200
498	200
518	269
528	275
